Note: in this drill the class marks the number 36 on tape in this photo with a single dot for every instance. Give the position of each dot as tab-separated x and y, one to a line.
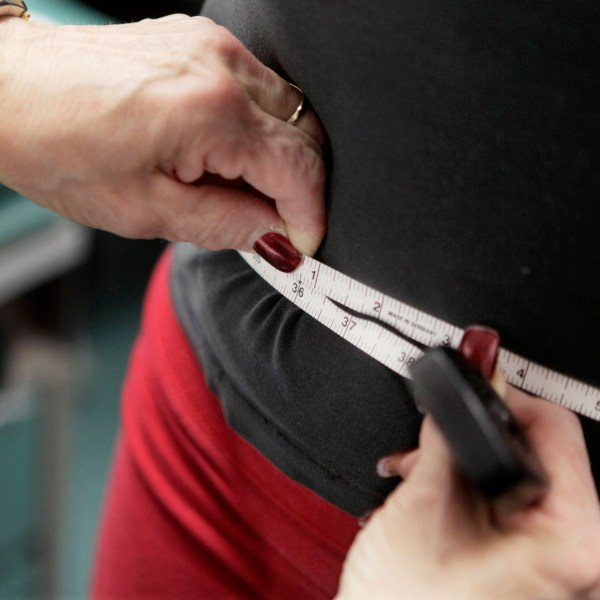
397	334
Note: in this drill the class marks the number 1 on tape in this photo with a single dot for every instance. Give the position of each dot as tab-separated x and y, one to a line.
396	334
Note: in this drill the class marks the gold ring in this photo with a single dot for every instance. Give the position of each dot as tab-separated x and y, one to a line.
296	114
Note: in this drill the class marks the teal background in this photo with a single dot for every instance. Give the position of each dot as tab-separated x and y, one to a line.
114	279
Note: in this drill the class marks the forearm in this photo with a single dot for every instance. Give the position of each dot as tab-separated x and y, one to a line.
115	126
20	41
11	30
60	95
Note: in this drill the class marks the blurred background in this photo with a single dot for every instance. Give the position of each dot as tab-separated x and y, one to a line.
70	303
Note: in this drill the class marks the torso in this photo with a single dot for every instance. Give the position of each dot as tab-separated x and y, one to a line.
463	181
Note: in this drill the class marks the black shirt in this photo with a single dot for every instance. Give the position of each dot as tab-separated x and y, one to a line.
464	180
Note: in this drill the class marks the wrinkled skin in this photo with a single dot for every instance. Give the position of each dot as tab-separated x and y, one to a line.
165	128
435	538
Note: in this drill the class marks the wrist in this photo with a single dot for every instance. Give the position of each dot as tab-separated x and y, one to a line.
18	42
10	31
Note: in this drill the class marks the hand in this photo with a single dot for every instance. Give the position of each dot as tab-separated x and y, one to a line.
166	128
436	538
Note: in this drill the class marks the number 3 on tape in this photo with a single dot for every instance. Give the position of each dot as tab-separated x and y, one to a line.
397	334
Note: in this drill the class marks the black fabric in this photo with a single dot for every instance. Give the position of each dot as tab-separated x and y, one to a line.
464	180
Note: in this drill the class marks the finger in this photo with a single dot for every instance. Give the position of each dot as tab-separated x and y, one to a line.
273	94
234	137
281	100
280	162
432	469
286	164
274	99
211	216
435	460
480	345
556	436
263	86
399	464
436	487
498	382
291	171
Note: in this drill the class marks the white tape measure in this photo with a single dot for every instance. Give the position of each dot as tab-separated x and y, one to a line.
395	334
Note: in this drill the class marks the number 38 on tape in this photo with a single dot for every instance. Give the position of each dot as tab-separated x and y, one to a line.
396	334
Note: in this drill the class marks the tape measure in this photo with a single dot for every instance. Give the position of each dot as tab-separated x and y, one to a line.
397	334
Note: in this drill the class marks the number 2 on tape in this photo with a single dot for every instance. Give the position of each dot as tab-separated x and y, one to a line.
396	334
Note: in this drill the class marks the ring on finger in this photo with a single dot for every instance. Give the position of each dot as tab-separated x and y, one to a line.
299	109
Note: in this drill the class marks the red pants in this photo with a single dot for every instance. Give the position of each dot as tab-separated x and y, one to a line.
193	511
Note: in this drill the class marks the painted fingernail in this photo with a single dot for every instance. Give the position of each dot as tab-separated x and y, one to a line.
277	250
386	467
480	345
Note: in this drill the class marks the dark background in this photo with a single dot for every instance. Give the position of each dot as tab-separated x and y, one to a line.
123	10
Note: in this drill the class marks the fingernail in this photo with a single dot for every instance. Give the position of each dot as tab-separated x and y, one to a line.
480	345
386	468
277	250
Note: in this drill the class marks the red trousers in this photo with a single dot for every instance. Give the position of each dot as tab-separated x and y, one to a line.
193	511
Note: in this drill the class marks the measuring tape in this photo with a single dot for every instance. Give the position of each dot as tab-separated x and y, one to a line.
397	334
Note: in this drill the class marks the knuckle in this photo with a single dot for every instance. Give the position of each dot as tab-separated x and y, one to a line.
220	96
201	20
217	96
309	165
225	92
224	44
201	78
172	17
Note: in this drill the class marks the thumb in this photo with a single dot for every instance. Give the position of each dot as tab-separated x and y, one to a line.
454	508
435	463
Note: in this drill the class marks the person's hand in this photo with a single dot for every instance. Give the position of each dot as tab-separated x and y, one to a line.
167	128
436	538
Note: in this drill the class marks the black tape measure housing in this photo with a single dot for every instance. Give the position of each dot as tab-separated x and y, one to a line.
484	437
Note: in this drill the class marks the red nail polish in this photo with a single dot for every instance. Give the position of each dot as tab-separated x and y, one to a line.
480	345
278	251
